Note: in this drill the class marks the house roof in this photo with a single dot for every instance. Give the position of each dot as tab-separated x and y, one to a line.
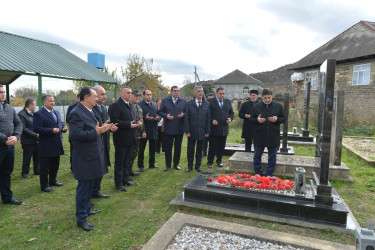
237	76
21	55
356	42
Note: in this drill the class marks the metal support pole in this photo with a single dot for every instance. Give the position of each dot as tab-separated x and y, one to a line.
40	89
7	93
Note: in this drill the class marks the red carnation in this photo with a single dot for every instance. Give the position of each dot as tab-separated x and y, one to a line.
210	179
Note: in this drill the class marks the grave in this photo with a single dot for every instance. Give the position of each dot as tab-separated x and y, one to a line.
321	205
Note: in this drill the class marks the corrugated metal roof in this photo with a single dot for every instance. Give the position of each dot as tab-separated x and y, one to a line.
237	76
26	55
356	42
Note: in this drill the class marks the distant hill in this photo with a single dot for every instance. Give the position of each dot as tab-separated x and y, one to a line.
277	77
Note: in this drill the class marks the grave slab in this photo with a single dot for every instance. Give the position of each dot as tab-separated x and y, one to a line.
231	148
285	165
165	235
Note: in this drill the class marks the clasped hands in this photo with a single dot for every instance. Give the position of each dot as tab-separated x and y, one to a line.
105	127
271	119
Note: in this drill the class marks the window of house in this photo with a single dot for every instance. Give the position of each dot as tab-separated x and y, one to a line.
312	76
361	74
245	90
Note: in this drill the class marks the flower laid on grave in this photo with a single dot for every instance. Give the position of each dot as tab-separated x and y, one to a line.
253	182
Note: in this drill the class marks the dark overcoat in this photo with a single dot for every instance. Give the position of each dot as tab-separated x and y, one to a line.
267	134
103	118
50	144
28	135
175	126
197	121
220	115
88	160
123	114
151	126
248	126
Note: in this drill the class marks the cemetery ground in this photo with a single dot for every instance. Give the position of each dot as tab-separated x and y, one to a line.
128	220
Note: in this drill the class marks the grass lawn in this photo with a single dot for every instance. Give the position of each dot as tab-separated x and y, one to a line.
128	220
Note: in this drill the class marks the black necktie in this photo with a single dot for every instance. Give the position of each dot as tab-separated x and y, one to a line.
199	104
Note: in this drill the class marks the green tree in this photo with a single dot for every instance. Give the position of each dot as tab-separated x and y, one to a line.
140	75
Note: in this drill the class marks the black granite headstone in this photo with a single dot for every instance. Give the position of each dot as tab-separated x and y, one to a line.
327	77
305	130
284	147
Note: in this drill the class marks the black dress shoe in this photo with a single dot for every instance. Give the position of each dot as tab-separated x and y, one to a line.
57	184
87	226
198	169
134	173
122	188
93	212
99	195
220	165
167	169
131	178
25	176
177	167
189	170
129	183
153	166
47	189
141	170
210	165
13	201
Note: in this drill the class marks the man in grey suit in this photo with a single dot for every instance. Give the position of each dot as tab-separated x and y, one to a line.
221	115
88	159
197	127
101	111
10	132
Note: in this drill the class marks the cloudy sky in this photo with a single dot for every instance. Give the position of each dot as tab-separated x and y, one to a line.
216	36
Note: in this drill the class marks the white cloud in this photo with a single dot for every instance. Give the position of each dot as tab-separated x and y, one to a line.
217	36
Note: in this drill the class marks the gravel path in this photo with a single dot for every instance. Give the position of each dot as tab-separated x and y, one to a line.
201	238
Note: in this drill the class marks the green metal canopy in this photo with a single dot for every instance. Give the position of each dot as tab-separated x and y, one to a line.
26	56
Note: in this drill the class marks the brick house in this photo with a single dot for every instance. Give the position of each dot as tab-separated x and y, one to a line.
354	50
237	86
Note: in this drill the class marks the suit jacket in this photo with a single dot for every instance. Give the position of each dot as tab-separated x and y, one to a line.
10	124
123	114
88	159
151	126
248	126
28	135
175	126
70	108
50	144
220	115
197	121
103	118
267	134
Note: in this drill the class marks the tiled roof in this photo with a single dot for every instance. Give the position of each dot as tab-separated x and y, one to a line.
356	42
237	76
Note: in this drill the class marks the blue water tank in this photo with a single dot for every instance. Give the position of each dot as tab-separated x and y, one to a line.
97	60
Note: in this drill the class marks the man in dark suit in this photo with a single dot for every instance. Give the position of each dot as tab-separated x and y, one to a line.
172	109
29	139
47	123
10	132
89	161
123	113
70	108
267	117
197	127
245	114
221	112
151	119
101	112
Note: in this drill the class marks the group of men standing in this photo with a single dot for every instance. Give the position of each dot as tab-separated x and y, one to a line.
133	124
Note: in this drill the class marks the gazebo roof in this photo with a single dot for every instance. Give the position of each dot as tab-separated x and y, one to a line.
25	56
